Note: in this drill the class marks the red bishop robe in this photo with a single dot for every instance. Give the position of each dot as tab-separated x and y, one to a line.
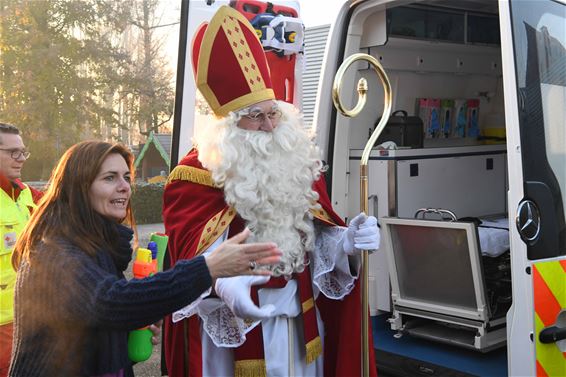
195	215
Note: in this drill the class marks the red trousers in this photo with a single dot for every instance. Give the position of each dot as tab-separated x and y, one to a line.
5	348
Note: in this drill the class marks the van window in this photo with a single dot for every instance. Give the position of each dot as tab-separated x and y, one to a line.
420	23
443	24
483	29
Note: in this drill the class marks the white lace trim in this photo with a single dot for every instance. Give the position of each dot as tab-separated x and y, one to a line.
190	309
222	326
330	266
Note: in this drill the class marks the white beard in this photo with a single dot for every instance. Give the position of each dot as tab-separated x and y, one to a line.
267	177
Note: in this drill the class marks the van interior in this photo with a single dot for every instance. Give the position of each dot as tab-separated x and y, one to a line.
438	178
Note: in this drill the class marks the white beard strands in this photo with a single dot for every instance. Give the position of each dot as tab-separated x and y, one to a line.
267	177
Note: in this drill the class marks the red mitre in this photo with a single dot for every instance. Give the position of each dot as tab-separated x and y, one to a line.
230	66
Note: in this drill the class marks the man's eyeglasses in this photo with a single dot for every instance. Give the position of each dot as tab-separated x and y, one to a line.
260	117
17	153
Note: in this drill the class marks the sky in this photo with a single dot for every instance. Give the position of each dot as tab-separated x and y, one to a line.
319	12
313	12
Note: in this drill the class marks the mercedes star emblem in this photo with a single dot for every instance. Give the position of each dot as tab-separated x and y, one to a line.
528	220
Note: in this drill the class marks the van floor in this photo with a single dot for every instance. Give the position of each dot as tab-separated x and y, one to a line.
410	356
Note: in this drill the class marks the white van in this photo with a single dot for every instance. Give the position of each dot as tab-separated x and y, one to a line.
470	278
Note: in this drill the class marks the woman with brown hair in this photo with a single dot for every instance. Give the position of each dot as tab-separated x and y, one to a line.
73	306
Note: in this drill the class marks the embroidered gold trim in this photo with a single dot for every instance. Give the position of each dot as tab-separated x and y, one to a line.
214	228
258	93
243	53
191	174
250	368
322	215
308	305
245	101
314	349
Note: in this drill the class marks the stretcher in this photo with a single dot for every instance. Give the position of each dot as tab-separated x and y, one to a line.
466	306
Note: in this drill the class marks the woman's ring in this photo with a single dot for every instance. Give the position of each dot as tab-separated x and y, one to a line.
253	265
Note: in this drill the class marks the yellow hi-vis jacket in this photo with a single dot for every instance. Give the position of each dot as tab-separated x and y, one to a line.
13	217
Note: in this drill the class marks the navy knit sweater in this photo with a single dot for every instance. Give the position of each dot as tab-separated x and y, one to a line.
73	312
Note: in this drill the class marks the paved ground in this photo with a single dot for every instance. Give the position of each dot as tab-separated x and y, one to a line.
151	367
145	230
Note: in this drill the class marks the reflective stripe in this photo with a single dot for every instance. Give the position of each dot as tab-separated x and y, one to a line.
547	306
549	287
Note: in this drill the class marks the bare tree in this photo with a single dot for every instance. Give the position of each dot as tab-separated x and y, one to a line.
150	89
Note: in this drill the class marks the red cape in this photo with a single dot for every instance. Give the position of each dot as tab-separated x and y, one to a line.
195	214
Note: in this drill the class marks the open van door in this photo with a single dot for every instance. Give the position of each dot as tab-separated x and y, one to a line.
533	45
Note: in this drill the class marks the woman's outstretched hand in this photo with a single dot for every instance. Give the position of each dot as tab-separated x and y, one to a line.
232	258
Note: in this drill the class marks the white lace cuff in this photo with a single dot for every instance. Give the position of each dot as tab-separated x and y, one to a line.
330	266
190	309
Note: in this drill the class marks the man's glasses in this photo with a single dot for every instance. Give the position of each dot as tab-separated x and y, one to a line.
17	153
260	117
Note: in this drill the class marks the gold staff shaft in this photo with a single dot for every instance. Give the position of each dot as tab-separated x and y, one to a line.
387	103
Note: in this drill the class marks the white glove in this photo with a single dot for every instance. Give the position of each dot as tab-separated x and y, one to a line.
235	292
362	234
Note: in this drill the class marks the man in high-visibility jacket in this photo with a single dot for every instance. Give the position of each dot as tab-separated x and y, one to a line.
17	200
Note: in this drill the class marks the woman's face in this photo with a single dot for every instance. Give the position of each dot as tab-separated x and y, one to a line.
110	191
